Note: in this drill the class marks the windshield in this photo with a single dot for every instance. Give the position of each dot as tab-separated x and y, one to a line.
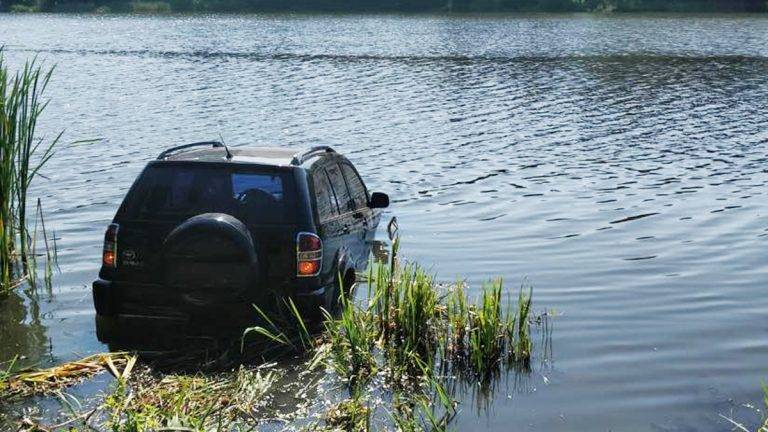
168	191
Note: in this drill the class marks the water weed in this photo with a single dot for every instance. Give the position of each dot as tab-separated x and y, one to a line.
419	335
395	358
50	380
350	344
22	155
195	402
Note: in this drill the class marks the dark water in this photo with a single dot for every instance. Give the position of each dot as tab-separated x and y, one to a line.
620	163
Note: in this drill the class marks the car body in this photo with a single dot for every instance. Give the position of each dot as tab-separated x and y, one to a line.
206	232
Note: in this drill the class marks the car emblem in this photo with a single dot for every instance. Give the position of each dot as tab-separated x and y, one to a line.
131	258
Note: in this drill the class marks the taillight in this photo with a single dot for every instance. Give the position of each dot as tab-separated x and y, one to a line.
309	254
109	256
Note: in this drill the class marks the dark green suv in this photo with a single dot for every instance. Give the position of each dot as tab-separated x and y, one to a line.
205	232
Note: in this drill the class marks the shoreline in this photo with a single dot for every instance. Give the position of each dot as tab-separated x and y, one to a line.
163	8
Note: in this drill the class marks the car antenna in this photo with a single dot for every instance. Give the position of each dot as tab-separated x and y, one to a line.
226	149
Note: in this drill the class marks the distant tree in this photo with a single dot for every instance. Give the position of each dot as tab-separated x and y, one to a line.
406	5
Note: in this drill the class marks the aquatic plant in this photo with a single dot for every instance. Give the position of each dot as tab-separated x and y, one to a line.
351	341
22	155
5	375
414	319
400	353
50	380
418	335
349	415
487	331
190	402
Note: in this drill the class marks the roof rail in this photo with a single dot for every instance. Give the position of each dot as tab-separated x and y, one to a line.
214	144
301	157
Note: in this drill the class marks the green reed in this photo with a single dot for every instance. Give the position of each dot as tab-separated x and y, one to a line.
6	372
410	337
352	338
412	317
22	155
522	340
487	331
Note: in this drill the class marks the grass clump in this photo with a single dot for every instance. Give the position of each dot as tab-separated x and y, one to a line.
417	335
486	331
191	402
351	342
415	315
22	155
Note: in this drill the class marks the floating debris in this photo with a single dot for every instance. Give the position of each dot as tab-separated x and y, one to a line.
50	380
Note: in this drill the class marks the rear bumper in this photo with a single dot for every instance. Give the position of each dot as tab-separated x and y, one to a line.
105	299
132	314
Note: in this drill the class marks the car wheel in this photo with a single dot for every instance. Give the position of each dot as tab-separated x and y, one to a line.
346	287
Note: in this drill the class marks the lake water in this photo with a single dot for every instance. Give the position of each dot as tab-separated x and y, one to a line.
620	163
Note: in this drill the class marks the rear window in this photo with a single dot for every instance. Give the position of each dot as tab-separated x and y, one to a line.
170	192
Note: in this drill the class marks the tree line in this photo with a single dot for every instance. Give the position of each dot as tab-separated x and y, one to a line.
384	5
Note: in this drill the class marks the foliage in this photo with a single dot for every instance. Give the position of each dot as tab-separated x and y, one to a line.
150	7
378	5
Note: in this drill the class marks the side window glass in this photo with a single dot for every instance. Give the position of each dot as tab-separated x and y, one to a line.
345	201
356	186
326	202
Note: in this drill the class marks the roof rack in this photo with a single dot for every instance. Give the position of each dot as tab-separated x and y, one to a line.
301	157
213	144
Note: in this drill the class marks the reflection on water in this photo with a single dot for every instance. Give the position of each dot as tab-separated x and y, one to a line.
617	161
22	333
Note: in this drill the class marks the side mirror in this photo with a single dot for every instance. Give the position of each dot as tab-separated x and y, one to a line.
378	200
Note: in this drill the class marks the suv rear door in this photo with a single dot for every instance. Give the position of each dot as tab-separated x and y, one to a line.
167	193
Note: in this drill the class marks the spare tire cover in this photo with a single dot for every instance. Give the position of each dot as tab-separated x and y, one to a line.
210	258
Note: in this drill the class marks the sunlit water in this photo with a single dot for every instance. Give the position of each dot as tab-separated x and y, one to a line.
619	163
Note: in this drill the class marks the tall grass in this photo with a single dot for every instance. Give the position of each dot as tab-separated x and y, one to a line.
22	155
6	372
415	316
419	335
412	338
352	339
